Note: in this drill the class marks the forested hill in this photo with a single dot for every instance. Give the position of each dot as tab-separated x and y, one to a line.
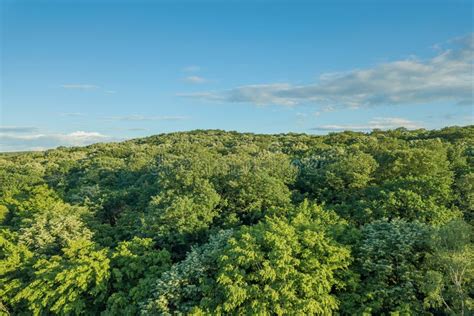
213	222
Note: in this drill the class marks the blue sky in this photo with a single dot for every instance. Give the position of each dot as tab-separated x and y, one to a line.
76	72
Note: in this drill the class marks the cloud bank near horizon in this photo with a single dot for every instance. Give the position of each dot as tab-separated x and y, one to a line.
15	139
382	123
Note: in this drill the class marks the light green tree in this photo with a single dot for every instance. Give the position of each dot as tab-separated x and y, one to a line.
281	266
49	232
15	267
451	280
73	283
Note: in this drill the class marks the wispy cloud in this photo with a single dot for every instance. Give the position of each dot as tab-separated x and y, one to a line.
256	94
80	86
35	141
469	119
137	118
375	123
17	129
192	68
137	129
88	87
195	79
462	118
73	114
446	77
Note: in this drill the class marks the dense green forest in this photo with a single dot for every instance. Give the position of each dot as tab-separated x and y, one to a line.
216	223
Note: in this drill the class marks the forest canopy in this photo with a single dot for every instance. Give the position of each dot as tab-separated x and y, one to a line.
210	222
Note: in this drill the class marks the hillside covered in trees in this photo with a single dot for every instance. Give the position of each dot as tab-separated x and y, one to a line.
216	223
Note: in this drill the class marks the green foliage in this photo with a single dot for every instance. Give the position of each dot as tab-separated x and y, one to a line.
465	190
280	266
73	283
3	214
135	267
390	259
15	264
452	277
214	222
336	174
24	205
255	185
180	218
50	232
181	289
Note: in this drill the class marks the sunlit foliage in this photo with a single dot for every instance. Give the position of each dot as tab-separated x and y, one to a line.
214	223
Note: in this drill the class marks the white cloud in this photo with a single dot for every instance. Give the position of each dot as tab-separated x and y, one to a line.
80	86
375	123
110	92
18	142
446	77
137	118
195	79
